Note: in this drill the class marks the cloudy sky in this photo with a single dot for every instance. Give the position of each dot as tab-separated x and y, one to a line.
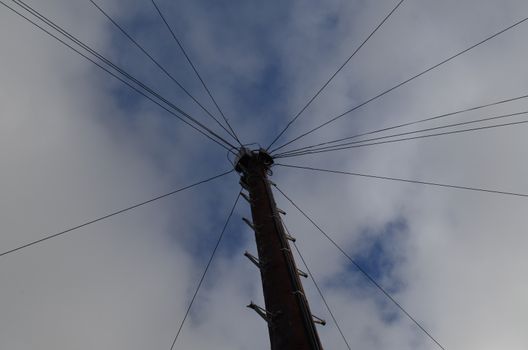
76	144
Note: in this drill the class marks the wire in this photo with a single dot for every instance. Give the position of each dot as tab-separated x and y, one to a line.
196	71
112	65
322	296
363	143
363	271
401	84
411	138
411	123
410	132
113	214
467	188
205	272
318	289
334	75
102	58
159	66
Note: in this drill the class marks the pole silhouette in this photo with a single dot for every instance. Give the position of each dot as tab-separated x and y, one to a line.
291	324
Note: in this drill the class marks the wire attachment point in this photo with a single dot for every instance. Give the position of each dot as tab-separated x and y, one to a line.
246	197
319	320
302	273
250	224
253	259
266	315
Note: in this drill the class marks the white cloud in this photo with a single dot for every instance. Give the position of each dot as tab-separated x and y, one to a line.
72	150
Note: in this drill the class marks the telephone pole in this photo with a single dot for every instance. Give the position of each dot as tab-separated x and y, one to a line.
291	325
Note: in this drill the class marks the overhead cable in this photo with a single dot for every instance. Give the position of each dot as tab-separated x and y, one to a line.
333	119
364	272
419	182
205	272
153	60
170	108
55	235
408	123
369	142
319	290
180	45
334	75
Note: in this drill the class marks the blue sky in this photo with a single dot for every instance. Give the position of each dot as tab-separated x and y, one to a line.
76	144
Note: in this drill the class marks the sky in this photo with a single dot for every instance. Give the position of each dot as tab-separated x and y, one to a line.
76	144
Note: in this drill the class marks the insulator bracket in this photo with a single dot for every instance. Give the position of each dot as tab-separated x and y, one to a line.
246	197
302	273
298	292
253	259
249	223
271	182
319	320
267	316
243	183
290	237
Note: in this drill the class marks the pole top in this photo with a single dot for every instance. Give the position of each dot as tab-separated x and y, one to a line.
245	155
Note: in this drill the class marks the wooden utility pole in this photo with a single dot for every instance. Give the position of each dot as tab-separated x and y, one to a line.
290	323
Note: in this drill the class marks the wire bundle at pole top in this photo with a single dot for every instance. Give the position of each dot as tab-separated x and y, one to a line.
73	43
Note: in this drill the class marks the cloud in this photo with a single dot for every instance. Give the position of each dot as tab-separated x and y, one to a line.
75	144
